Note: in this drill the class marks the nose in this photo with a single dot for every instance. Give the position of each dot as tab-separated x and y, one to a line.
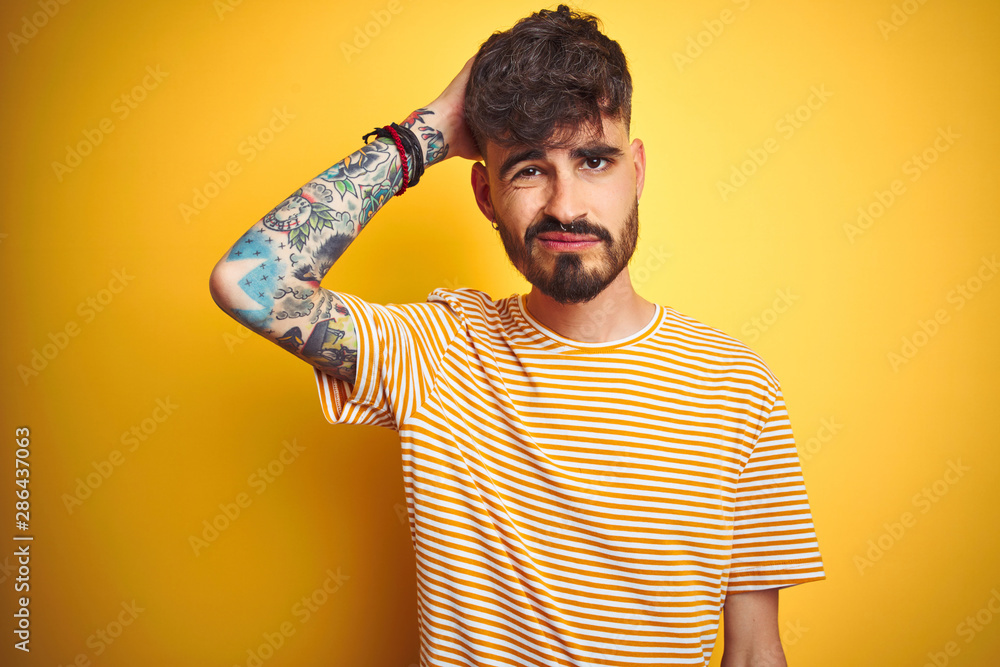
565	199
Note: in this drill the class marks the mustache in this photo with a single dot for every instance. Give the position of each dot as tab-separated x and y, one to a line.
581	226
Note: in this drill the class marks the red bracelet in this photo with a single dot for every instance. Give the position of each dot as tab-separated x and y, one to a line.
402	154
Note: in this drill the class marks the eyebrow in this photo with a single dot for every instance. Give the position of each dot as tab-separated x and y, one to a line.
590	151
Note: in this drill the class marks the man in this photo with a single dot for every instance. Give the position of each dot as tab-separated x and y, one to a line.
591	478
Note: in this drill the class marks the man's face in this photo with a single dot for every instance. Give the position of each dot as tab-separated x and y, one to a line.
593	184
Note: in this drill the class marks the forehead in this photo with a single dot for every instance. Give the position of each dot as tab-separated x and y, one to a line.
579	141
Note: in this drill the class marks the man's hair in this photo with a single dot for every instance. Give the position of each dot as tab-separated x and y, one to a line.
552	72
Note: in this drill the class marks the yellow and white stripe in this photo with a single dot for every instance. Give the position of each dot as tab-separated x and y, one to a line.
578	503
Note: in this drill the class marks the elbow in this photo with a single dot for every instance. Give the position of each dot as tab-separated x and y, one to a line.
220	287
224	286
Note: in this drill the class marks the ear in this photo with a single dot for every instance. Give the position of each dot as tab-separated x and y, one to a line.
639	160
481	189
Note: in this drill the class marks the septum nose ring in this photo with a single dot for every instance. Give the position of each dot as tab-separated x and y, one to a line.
567	229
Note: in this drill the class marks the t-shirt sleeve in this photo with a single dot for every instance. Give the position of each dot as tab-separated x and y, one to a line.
774	540
400	349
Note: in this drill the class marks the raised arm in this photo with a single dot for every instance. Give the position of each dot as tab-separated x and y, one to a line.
269	280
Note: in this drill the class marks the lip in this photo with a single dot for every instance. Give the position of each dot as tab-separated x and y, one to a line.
576	244
566	236
567	241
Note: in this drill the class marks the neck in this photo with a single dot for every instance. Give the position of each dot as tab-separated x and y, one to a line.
615	313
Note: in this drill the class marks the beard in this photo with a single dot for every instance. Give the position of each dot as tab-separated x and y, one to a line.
568	280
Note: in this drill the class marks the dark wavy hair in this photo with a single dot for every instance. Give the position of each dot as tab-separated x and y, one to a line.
552	72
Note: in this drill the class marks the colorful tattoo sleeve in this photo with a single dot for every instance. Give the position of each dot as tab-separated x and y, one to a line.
435	149
278	264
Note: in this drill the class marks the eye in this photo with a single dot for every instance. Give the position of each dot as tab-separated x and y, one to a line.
594	163
524	172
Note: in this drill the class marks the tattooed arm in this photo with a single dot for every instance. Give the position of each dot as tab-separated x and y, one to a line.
269	280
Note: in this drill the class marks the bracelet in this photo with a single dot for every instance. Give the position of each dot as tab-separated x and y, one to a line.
416	152
402	152
391	133
410	151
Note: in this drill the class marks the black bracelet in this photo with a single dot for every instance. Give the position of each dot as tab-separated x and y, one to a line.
414	149
384	132
414	152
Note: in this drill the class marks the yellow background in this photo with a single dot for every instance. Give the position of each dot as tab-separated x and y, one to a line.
891	429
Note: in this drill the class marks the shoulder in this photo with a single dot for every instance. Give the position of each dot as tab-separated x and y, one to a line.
430	317
459	305
470	305
712	349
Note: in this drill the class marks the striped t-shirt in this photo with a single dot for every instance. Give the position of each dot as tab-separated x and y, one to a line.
578	503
